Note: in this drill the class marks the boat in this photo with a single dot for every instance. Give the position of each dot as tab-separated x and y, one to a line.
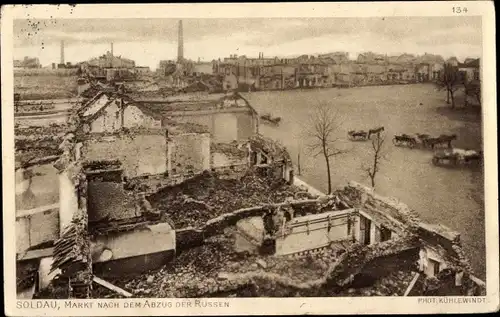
268	118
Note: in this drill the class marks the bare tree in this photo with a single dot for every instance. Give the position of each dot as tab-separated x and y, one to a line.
377	147
472	88
450	80
322	133
467	93
475	90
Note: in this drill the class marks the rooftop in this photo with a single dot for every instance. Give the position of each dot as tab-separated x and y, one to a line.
38	145
269	146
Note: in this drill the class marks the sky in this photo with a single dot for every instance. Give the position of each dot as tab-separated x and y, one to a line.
147	41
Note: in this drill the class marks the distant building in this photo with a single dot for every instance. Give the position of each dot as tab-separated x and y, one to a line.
27	62
336	57
430	58
470	69
405	58
452	61
202	68
423	72
108	60
166	67
142	70
371	58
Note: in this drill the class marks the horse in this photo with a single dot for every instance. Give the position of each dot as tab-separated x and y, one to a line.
422	137
357	134
442	139
375	131
446	139
404	138
431	142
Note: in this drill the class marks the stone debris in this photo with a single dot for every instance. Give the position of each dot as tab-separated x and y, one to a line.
215	268
207	196
262	263
150	279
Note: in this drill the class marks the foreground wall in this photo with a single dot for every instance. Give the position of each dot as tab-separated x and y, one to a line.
36	226
109	200
189	152
151	147
315	231
117	253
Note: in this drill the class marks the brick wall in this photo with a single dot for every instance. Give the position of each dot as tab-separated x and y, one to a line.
224	126
152	149
110	200
190	152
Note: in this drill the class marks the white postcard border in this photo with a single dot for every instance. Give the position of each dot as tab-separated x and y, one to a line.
251	306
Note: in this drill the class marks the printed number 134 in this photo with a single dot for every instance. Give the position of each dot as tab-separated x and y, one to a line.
459	10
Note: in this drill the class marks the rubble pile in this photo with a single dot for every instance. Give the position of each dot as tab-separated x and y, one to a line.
193	273
235	150
32	143
215	268
267	145
26	273
444	284
361	256
207	196
394	284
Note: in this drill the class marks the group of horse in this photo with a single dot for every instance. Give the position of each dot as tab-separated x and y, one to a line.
425	140
455	157
445	155
362	135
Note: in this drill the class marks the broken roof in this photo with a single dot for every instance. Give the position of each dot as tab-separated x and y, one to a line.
470	64
175	127
269	146
385	210
146	109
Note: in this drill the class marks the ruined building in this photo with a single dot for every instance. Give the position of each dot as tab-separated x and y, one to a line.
241	227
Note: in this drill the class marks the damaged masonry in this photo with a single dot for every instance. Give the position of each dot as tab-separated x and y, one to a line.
190	217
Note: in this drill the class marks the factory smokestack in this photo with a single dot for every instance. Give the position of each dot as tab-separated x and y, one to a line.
112	49
62	52
180	43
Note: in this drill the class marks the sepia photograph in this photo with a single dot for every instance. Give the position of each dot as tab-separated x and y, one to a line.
274	157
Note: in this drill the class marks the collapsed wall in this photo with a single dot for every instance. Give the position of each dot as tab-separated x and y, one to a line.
435	239
72	254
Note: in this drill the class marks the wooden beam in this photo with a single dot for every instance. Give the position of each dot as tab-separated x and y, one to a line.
477	281
35	254
111	287
30	212
412	283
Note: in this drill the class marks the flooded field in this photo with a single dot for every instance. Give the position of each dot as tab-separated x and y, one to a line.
453	197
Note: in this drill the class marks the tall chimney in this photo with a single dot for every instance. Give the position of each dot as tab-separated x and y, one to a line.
180	43
111	48
62	52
